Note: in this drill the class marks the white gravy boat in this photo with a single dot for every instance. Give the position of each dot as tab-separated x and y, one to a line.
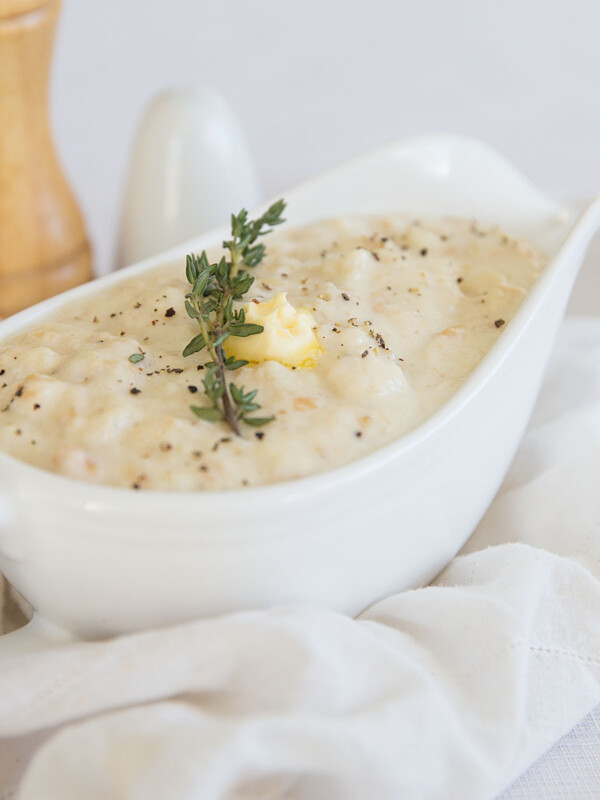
95	561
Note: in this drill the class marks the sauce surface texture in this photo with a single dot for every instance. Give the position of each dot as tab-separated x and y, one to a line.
404	309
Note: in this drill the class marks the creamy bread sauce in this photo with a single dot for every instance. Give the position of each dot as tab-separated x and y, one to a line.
404	311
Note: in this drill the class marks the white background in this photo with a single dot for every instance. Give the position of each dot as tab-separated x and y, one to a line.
319	80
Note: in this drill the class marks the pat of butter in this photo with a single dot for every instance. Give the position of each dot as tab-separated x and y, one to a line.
288	334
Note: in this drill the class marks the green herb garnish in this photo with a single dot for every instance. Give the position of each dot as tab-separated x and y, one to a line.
136	357
215	287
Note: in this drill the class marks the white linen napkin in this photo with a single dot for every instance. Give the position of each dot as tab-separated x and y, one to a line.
446	692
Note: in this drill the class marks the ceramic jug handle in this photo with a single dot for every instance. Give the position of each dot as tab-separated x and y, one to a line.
35	637
38	634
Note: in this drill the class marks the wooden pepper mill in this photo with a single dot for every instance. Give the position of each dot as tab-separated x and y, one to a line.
43	243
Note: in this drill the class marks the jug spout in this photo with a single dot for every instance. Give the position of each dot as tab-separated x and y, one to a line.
585	240
588	224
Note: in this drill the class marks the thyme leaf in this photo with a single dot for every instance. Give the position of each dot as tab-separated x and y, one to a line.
213	290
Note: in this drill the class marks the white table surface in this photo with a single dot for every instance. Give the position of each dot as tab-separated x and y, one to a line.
317	81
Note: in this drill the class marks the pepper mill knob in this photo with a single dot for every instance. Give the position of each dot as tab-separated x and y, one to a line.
43	243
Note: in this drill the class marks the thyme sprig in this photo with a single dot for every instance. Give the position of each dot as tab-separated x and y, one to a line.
214	289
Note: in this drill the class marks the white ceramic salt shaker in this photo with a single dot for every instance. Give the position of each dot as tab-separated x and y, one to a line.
191	168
